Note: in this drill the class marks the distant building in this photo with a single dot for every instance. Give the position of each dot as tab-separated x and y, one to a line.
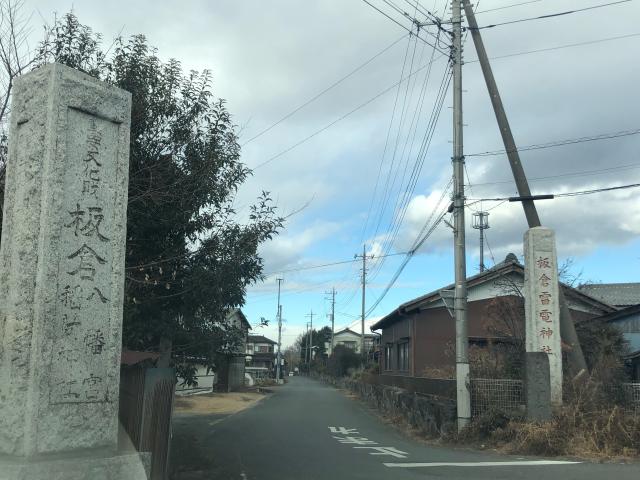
260	356
627	321
230	375
418	337
350	339
619	295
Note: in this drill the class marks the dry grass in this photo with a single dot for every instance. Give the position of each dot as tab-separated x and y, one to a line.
219	403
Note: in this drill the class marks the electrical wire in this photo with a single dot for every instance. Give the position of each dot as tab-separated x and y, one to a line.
551	15
339	119
580	173
559	143
558	195
508	6
330	87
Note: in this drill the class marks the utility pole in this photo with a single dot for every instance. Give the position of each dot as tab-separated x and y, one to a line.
481	222
306	350
364	283
278	368
310	315
575	357
333	313
463	397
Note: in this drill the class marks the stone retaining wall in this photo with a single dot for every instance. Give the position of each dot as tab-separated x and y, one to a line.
432	416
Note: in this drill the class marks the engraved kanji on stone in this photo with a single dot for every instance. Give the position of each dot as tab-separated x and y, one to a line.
543	262
87	258
69	390
89	226
91	184
94	341
545	349
546	332
68	354
93	386
356	440
94	138
544	280
96	293
545	298
69	324
394	452
545	315
70	297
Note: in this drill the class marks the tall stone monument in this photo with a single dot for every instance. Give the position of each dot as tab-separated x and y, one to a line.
62	278
542	306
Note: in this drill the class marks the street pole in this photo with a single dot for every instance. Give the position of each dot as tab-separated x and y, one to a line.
310	315
278	372
364	286
333	314
575	357
463	397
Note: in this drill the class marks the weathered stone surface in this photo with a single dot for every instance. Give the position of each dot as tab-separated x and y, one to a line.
131	466
542	306
537	386
62	263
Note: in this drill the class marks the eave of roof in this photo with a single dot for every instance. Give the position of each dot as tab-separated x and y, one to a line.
498	270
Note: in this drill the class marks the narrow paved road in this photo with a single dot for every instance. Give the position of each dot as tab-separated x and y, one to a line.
307	430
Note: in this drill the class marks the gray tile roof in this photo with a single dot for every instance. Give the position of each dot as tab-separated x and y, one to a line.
618	294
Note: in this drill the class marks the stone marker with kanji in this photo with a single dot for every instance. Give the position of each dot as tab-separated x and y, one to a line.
62	278
542	306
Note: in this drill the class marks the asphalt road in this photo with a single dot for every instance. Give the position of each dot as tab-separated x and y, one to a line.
307	430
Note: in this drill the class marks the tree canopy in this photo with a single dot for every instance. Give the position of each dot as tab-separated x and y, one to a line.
189	258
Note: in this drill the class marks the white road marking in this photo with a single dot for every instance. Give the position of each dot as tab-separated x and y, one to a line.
343	430
480	464
356	440
394	452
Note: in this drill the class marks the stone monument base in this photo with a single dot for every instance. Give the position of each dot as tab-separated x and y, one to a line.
126	466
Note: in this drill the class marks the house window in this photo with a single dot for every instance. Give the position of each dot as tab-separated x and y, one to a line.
351	345
388	348
403	356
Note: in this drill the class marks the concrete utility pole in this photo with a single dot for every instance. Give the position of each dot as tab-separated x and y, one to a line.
364	283
481	222
278	368
575	356
463	396
306	350
333	313
310	315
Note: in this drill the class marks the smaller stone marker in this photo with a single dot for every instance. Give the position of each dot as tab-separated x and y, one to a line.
542	306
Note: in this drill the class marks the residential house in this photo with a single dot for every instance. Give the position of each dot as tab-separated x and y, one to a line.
260	356
621	295
350	339
418	337
231	372
627	320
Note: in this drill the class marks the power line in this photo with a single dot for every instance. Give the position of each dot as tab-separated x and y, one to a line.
580	173
558	143
557	195
341	262
551	15
508	6
560	47
329	125
417	34
330	87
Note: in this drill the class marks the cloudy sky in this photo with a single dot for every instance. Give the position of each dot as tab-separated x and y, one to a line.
356	156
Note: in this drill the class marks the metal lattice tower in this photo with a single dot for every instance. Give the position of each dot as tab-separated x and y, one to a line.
480	221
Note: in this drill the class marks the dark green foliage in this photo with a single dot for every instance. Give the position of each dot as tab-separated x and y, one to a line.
188	259
342	360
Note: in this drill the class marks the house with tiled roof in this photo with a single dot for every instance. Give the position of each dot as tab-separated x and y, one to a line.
620	295
418	337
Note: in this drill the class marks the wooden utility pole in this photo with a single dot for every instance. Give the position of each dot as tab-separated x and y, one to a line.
568	333
463	397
